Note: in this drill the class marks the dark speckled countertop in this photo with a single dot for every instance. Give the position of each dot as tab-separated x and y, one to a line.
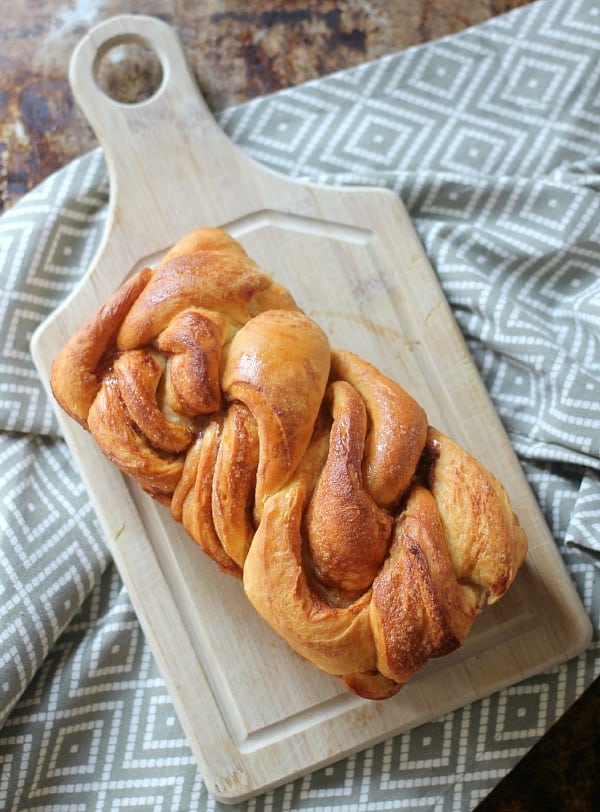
240	49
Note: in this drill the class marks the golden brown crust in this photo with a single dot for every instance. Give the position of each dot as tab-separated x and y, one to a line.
418	582
347	532
485	541
277	365
77	371
369	540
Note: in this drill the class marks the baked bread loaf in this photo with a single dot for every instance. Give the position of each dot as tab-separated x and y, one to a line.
365	537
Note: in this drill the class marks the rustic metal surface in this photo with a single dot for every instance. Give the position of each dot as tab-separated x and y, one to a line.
238	49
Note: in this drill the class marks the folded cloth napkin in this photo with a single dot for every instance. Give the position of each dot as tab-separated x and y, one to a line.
492	139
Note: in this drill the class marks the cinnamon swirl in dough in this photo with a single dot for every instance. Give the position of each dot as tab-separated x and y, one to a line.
365	537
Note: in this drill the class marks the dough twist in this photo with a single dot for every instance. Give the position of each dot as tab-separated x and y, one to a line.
366	538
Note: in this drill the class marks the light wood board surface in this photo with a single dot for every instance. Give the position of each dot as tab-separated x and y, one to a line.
255	714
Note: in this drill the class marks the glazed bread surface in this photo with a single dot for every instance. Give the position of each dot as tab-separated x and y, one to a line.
364	536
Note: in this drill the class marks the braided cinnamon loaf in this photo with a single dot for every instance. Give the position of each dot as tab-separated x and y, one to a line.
366	538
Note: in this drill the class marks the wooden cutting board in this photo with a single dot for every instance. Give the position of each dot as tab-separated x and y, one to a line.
255	714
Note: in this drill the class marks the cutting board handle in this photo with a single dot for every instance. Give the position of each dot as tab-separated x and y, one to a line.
168	136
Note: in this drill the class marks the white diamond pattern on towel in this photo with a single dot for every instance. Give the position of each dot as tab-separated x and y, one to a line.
492	139
45	242
51	556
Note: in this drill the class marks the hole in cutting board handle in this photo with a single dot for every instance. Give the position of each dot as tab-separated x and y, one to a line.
127	69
